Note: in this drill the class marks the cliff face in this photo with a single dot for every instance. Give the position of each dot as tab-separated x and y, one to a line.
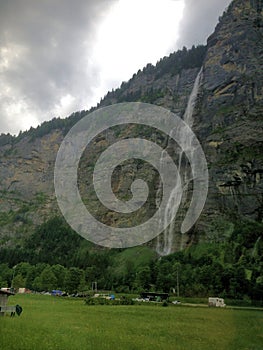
228	115
227	119
26	187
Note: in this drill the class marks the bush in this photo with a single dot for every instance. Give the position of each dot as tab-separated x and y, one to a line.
126	301
103	301
97	301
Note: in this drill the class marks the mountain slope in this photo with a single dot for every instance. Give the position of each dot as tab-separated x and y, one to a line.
227	119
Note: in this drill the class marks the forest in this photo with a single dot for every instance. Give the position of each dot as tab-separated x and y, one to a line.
55	257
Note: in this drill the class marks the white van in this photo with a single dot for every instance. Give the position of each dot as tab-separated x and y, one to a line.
216	302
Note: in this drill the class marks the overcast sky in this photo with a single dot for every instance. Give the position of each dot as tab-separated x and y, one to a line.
61	56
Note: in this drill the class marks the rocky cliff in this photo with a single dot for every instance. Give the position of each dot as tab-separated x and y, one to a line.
227	119
228	115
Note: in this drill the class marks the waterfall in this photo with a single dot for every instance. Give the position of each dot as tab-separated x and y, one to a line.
165	239
188	115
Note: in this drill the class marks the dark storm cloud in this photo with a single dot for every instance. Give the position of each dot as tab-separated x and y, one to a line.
199	20
45	55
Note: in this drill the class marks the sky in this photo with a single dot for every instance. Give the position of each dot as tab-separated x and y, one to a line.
62	56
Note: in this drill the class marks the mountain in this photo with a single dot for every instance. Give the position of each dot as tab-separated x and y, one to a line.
227	119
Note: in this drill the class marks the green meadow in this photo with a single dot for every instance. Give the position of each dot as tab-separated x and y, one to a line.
67	324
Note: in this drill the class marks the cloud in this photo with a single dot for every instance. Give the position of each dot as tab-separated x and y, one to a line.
48	62
199	20
45	64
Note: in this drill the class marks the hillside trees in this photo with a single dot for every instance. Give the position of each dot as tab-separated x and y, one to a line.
55	257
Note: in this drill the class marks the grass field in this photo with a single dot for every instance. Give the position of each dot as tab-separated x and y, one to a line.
67	324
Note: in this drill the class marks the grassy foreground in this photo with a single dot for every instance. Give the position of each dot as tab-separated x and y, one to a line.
67	324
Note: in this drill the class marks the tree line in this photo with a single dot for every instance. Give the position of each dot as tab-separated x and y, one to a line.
55	257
